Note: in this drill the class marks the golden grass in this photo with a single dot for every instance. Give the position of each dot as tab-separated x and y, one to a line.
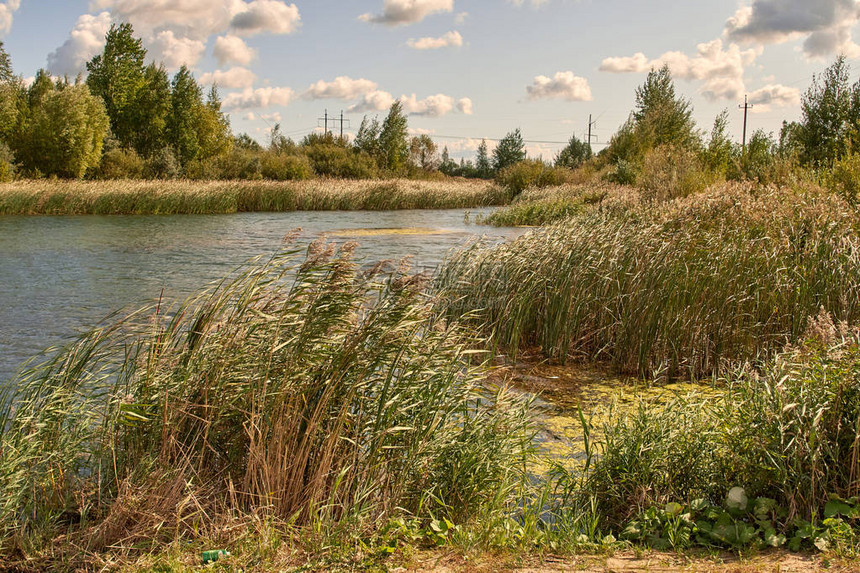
138	197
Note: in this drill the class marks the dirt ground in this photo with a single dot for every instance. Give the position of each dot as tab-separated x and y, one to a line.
650	562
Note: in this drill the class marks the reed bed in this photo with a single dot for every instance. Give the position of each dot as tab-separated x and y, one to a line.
544	206
136	197
787	430
677	289
307	392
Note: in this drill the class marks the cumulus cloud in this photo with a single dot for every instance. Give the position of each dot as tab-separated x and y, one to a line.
235	77
774	95
464	106
404	12
266	16
825	24
177	30
431	106
533	3
86	40
233	50
376	100
7	12
461	18
175	51
258	98
563	85
342	87
720	69
449	40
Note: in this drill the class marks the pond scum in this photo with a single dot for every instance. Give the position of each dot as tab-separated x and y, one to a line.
308	413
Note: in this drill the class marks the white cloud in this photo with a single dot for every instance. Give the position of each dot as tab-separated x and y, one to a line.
461	18
233	50
774	95
373	101
7	12
420	131
177	30
431	106
563	85
258	98
825	24
249	116
721	70
533	3
342	87
235	77
174	51
451	39
404	12
464	106
267	16
86	40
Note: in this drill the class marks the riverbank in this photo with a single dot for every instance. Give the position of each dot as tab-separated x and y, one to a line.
140	197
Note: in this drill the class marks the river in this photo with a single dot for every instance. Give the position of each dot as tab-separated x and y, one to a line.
60	276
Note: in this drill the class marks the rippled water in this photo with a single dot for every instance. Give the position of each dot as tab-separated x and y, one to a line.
60	276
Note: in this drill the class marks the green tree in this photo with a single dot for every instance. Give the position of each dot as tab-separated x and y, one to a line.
661	117
367	138
394	139
152	106
65	132
7	75
510	150
213	128
186	99
718	154
423	153
116	75
482	161
574	154
831	115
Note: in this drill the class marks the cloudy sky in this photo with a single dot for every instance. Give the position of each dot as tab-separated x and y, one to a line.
465	69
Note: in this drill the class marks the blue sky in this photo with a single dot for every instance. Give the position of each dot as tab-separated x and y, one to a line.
468	69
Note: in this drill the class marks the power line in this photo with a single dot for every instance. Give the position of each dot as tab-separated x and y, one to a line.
746	107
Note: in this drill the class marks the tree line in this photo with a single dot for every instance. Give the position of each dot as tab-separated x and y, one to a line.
129	119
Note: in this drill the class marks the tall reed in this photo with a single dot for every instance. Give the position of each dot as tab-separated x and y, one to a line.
54	197
312	392
675	289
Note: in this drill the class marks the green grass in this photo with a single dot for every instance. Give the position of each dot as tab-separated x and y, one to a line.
57	197
677	289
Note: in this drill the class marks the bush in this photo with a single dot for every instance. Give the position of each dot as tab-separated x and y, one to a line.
162	165
531	173
241	164
7	163
337	161
844	178
624	172
283	167
670	172
120	164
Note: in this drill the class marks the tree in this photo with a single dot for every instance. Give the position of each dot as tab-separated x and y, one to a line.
394	139
482	161
718	154
65	132
661	117
7	75
213	127
151	111
831	116
423	153
511	150
367	138
116	75
575	153
185	101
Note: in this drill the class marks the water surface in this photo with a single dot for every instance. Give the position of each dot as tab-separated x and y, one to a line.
59	276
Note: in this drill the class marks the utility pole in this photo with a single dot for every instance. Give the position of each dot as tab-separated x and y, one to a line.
324	119
590	125
746	107
344	122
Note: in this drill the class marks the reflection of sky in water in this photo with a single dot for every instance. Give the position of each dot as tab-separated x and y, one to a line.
61	275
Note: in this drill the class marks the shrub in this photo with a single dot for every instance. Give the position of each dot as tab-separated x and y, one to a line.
283	167
162	165
844	178
670	172
7	163
241	164
531	173
120	164
341	162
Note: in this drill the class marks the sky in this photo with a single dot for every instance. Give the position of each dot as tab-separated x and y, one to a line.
464	69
